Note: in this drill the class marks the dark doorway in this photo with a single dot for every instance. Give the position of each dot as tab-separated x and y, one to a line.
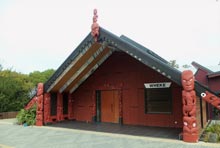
53	104
65	103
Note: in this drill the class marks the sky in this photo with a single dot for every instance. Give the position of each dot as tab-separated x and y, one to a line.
40	34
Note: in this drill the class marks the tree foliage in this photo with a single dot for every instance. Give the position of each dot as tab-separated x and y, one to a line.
15	87
173	64
37	76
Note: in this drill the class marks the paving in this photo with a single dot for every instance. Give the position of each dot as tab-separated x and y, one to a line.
17	136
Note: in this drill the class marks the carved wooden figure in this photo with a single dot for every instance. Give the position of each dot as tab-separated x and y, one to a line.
190	130
40	89
189	125
39	101
95	26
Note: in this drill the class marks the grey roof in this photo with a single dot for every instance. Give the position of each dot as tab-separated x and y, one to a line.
198	66
214	74
137	51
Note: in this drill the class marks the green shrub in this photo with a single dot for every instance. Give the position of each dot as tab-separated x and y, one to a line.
27	116
214	128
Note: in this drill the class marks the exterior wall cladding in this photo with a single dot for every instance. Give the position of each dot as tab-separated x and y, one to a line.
120	71
201	76
214	83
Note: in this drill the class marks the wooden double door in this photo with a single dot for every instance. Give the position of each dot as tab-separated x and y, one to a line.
109	106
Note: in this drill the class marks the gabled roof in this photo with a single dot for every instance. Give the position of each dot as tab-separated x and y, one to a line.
214	74
210	74
198	66
89	55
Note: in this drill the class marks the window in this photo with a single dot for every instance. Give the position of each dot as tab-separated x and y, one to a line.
53	104
158	100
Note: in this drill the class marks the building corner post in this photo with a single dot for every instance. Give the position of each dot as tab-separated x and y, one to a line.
39	102
47	107
190	129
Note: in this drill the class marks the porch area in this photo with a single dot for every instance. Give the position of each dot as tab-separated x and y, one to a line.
145	131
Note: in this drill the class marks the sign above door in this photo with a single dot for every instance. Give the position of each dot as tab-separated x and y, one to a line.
157	85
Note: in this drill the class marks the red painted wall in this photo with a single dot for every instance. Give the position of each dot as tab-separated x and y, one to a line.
122	71
201	76
214	83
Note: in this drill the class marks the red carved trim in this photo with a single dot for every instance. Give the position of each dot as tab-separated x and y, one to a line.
47	118
212	99
39	115
95	26
40	89
31	103
190	130
39	101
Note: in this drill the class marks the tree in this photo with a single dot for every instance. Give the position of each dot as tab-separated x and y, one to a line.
173	64
186	66
15	88
37	76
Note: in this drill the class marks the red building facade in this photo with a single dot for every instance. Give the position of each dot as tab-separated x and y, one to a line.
116	80
124	77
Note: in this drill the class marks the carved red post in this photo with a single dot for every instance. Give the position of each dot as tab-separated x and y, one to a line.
60	107
47	108
190	130
95	26
39	112
70	107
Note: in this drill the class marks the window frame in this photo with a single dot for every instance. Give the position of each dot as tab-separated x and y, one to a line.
146	101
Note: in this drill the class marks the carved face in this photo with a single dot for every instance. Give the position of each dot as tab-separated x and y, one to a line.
190	122
188	80
40	89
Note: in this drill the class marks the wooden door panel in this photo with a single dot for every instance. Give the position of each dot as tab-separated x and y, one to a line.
109	106
106	106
